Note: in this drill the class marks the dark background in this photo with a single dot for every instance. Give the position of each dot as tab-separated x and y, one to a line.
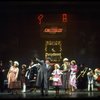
20	32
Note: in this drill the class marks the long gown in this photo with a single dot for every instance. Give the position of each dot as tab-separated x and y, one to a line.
12	76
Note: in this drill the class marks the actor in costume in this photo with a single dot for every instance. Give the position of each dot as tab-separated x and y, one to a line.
12	76
23	78
43	75
97	78
72	80
31	75
57	82
66	74
2	76
82	77
90	76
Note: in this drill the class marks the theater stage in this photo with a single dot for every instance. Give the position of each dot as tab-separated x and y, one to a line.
33	94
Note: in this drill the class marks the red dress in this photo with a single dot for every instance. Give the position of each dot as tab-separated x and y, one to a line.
97	73
98	80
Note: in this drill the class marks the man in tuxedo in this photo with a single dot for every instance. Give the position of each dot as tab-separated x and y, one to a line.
43	76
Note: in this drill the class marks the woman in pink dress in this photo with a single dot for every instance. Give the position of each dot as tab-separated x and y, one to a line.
72	80
57	78
13	75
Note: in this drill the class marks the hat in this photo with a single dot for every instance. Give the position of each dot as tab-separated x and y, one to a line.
16	62
65	59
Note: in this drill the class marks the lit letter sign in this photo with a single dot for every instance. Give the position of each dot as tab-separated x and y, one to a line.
53	30
64	17
40	18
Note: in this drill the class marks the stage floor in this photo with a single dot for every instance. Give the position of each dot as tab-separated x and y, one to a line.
33	94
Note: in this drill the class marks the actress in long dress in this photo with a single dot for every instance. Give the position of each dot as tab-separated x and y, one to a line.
72	80
13	75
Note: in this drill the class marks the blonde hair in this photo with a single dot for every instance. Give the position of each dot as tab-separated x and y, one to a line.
57	65
73	61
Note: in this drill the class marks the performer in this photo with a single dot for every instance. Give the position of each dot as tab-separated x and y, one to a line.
72	80
23	79
2	77
10	64
90	77
28	70
31	75
97	78
66	74
57	82
82	77
13	75
43	75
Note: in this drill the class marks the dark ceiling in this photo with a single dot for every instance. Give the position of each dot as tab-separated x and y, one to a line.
74	6
20	30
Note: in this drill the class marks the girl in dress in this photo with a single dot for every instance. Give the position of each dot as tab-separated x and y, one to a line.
57	78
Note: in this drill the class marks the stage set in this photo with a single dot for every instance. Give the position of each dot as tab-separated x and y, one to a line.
55	30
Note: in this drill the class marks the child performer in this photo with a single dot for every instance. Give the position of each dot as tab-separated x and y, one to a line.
57	78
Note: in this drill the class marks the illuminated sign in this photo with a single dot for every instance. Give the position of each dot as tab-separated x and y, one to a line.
40	17
53	30
64	17
53	49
